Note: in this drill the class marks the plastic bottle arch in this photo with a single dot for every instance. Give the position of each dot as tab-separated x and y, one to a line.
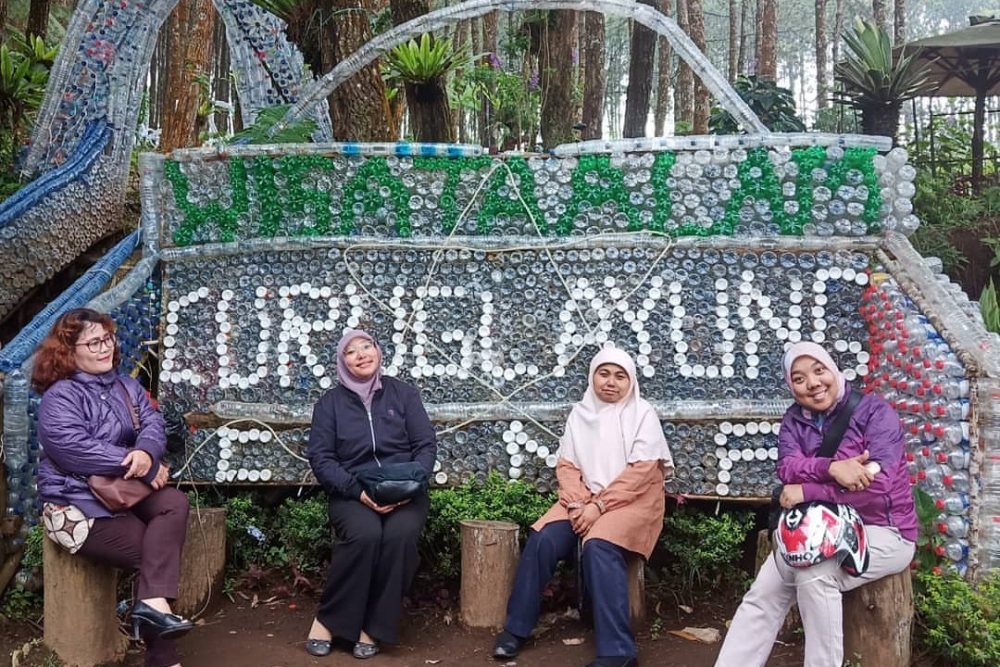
490	280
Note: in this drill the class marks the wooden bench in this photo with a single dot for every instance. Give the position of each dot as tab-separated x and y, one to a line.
81	597
489	562
878	617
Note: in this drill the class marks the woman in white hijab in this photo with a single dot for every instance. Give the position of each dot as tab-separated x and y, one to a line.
613	459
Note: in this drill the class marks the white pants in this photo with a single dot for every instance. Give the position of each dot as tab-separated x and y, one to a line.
817	590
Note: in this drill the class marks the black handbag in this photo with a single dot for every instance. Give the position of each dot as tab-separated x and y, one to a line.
831	443
393	482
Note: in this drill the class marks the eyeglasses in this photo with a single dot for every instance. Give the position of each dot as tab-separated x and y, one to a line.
363	347
95	345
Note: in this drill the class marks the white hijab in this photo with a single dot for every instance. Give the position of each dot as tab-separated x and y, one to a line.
602	438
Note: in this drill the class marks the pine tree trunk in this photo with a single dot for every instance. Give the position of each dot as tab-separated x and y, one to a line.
757	29
593	38
3	21
741	57
899	22
38	18
359	110
460	41
702	107
734	40
880	14
769	40
555	68
664	75
489	45
427	102
838	30
642	56
684	101
190	27
821	73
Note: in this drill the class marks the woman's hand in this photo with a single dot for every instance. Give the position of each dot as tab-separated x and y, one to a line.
162	475
583	519
138	462
381	509
792	495
851	473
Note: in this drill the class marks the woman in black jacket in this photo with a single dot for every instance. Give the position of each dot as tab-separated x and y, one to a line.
367	421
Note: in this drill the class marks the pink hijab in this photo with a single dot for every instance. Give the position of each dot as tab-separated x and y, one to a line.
602	438
364	388
810	349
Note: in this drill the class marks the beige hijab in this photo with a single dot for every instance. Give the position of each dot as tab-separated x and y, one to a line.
602	438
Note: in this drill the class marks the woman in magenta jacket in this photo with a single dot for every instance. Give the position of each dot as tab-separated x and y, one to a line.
867	472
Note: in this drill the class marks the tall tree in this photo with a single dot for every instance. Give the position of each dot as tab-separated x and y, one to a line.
593	39
488	45
664	74
555	76
821	80
741	57
3	21
734	40
768	40
881	14
838	30
758	18
38	18
684	100
190	27
702	107
427	100
899	22
642	56
359	110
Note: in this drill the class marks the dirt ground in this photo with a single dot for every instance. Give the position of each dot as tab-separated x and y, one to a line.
272	633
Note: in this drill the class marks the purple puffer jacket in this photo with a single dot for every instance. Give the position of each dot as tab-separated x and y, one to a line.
875	427
85	428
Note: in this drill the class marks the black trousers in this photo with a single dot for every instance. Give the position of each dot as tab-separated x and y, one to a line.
373	565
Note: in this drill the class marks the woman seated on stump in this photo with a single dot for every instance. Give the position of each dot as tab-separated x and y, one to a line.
95	421
365	422
612	462
867	472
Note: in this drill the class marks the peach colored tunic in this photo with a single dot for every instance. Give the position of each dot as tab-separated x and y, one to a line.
634	505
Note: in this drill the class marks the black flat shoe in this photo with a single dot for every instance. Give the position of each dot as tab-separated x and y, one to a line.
615	661
318	647
507	646
166	626
364	650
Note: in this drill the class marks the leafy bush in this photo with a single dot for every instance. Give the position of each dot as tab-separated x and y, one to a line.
941	212
20	604
303	528
33	548
959	622
495	499
251	538
773	104
704	547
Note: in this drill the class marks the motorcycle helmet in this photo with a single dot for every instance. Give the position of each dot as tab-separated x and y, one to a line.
811	533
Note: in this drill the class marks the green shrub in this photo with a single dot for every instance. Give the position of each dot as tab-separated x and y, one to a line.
33	548
703	547
957	621
495	499
303	528
250	535
20	604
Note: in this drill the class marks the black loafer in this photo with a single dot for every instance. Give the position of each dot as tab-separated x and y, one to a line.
166	626
318	647
614	661
507	646
364	650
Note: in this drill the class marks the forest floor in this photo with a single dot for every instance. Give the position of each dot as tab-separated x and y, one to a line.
251	632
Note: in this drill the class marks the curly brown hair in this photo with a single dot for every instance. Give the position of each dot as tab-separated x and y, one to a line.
55	358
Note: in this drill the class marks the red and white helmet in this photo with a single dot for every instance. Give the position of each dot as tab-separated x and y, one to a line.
811	533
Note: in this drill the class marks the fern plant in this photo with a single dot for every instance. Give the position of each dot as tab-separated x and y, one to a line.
424	61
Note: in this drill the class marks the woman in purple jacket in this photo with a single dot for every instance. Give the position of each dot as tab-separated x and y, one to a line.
867	472
367	421
87	426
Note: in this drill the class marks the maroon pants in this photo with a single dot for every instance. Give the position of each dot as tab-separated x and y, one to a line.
148	538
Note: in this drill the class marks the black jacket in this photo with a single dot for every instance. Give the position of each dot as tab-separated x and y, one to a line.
341	443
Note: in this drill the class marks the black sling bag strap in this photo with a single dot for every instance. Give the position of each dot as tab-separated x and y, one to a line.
831	443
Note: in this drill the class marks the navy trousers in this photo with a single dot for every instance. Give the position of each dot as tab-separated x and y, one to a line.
606	576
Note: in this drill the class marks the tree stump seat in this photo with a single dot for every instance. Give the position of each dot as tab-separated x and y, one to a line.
81	597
